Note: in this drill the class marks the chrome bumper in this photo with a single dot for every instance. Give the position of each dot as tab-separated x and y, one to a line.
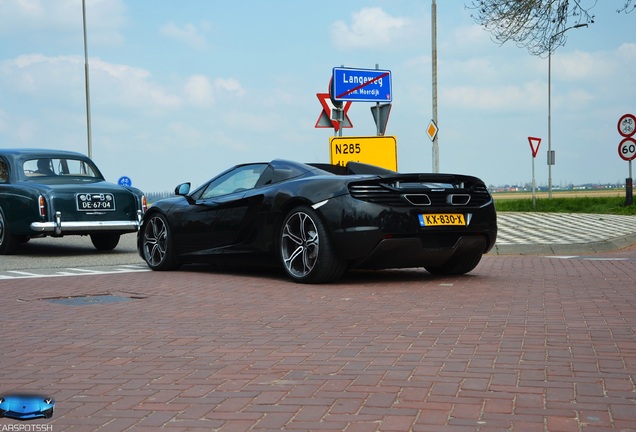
58	227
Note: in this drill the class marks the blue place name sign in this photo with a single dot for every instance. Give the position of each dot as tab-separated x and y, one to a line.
361	85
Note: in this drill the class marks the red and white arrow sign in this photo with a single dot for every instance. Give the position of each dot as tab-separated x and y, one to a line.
534	145
325	120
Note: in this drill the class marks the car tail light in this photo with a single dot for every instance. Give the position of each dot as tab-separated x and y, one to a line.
42	206
144	203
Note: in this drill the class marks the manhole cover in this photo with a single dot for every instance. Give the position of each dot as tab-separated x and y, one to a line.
89	300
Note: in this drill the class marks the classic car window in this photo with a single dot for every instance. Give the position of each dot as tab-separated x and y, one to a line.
4	171
242	178
58	167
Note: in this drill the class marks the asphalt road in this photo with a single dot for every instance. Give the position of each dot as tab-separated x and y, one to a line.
71	251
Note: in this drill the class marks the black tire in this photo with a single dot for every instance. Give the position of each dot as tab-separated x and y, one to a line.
156	246
105	241
458	264
8	242
306	251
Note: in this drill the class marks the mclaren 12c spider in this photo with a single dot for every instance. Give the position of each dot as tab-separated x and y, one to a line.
319	220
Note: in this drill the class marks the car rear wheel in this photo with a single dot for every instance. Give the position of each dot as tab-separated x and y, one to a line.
105	241
458	264
8	242
306	251
156	244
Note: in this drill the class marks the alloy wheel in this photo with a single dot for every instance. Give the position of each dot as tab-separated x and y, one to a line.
155	244
299	244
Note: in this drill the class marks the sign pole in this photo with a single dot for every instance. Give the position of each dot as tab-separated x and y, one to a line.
629	187
534	197
377	112
434	66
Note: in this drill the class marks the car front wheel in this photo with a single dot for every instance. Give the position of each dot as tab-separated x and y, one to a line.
8	242
306	251
156	244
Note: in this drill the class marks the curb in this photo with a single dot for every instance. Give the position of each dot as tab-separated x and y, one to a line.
609	245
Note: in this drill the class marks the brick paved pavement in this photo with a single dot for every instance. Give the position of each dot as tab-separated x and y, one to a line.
524	343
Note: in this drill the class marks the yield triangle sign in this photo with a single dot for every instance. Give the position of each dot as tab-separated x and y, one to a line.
324	120
534	145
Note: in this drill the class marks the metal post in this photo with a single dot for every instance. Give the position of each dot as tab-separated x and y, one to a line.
534	195
377	112
629	187
434	66
88	98
550	120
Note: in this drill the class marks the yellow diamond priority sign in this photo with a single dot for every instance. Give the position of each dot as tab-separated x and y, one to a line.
431	131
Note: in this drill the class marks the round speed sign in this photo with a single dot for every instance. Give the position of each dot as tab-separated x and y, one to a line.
627	125
627	149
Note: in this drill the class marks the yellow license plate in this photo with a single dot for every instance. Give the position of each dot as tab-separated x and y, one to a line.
443	219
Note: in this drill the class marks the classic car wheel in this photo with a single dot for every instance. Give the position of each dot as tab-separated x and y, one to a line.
105	241
306	251
156	247
458	264
8	242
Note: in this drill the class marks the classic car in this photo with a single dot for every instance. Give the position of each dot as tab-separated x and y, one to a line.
26	406
57	193
319	220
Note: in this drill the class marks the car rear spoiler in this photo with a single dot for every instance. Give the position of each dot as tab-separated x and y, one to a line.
355	168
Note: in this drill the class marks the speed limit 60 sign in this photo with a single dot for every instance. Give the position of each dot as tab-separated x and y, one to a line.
627	149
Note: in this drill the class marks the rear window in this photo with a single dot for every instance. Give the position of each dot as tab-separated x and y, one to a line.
50	167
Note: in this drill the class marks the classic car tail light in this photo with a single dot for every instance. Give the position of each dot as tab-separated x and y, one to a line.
144	203
42	206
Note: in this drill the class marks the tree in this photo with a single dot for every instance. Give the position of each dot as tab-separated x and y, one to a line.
538	25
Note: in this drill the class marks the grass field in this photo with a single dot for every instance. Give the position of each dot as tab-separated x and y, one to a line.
593	201
563	194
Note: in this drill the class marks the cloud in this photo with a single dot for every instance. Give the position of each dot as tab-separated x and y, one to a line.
62	78
501	98
229	85
188	34
198	91
370	28
61	21
201	92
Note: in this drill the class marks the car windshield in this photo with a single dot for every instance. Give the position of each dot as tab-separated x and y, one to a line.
46	166
240	179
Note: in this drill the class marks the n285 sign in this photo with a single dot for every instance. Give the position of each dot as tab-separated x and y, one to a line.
375	150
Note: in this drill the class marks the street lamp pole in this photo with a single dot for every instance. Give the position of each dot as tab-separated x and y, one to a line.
88	97
550	154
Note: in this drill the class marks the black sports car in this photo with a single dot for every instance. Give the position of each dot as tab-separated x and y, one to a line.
318	220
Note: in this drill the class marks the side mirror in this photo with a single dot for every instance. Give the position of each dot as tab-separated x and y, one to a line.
182	189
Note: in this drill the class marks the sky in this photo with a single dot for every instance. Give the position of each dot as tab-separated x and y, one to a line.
181	90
